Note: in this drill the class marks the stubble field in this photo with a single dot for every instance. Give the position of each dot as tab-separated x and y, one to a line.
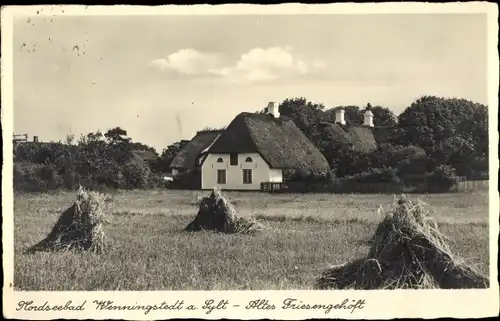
304	234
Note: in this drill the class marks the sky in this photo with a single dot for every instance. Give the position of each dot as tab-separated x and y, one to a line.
162	78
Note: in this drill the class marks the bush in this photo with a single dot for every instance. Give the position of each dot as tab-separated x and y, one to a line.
50	177
20	177
111	176
36	178
189	180
47	173
157	181
300	176
409	161
71	179
136	173
348	162
377	175
97	162
443	177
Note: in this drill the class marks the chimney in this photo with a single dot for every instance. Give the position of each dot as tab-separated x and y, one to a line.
339	116
368	118
272	108
35	139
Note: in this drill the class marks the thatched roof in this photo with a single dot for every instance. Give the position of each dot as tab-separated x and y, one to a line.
278	140
146	155
360	138
188	156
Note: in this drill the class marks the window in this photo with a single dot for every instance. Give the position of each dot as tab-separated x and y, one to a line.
233	159
219	160
248	160
247	176
221	176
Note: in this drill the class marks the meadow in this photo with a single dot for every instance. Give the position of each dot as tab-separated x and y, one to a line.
304	234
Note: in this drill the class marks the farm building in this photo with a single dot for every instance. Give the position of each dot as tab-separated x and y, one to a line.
257	148
265	147
190	156
148	156
360	138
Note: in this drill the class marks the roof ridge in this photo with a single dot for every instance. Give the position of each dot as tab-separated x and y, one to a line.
209	131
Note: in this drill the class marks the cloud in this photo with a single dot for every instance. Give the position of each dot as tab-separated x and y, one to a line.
188	62
257	65
267	64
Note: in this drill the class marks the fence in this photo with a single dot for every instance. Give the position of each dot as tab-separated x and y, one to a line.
366	188
19	138
337	187
472	186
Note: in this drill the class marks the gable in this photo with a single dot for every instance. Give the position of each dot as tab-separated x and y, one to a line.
235	139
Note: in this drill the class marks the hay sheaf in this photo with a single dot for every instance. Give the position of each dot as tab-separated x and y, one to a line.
407	252
216	213
79	227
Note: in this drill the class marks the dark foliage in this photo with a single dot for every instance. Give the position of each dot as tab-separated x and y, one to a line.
97	161
451	131
376	175
446	137
443	177
431	132
189	180
167	156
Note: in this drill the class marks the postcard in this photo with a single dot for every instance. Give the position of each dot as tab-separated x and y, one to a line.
239	161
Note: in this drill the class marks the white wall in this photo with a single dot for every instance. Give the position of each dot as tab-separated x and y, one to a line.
275	175
234	173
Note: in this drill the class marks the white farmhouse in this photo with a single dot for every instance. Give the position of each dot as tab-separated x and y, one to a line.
257	148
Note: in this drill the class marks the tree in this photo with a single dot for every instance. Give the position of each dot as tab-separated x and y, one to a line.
346	161
117	136
119	144
93	158
409	161
70	138
327	116
383	116
450	130
353	114
458	152
141	146
90	138
136	173
304	113
443	178
426	123
474	127
167	155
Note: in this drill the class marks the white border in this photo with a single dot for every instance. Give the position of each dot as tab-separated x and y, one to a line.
379	304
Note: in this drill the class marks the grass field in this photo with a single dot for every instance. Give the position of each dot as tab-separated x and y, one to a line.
304	234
